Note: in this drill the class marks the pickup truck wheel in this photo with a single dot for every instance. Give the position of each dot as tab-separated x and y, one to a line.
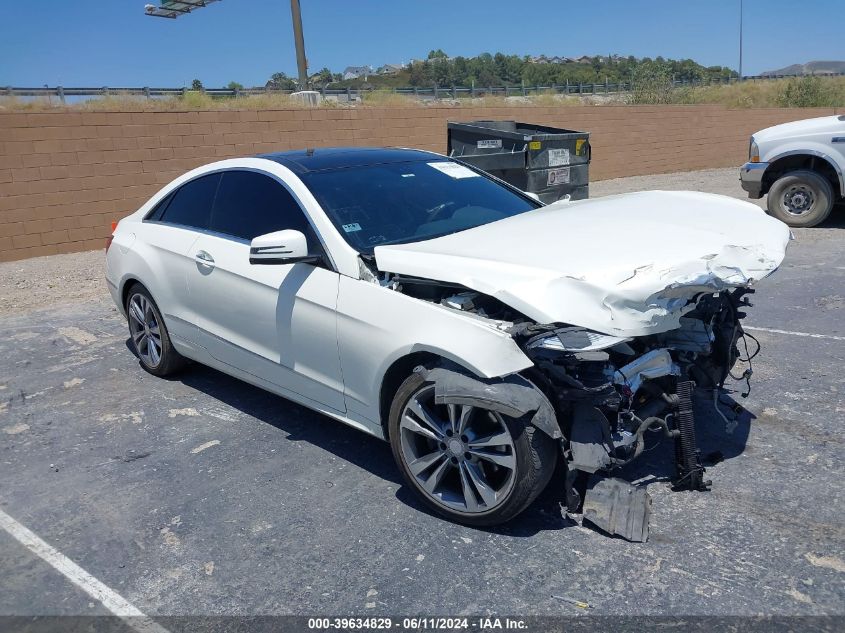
472	465
800	198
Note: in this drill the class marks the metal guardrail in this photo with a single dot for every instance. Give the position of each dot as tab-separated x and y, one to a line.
433	92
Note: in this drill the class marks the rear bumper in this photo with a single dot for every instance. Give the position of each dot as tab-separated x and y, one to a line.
114	291
751	177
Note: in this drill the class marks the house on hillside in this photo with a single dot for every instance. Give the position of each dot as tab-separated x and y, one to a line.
542	59
354	72
584	59
389	69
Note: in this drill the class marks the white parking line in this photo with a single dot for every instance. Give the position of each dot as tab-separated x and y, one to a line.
109	598
807	334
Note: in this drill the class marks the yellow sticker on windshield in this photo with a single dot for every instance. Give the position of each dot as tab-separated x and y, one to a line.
535	145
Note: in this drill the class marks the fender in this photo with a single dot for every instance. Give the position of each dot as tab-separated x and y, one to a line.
377	326
513	396
818	152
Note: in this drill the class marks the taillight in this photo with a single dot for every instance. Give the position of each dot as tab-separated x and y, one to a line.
111	236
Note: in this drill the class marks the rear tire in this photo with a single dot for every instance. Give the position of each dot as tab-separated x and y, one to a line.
148	334
488	467
800	198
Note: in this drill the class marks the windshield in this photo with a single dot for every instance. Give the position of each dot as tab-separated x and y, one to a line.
405	202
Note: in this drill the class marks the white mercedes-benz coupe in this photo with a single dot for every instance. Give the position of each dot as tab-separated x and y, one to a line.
416	298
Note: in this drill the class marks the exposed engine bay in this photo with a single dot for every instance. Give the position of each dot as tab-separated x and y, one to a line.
608	391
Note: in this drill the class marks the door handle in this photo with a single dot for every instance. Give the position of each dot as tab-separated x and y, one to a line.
204	258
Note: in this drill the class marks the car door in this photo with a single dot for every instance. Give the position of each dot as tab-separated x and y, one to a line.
165	238
277	322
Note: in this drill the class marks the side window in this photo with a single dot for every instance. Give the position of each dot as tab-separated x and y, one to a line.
191	204
249	204
158	211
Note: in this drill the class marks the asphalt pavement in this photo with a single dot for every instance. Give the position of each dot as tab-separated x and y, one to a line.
203	495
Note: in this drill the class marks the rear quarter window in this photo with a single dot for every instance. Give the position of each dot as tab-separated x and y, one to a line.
158	211
190	205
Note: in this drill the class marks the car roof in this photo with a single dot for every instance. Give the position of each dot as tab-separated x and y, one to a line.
332	158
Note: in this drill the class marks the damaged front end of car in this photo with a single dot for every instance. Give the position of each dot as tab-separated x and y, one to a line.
623	326
598	394
609	391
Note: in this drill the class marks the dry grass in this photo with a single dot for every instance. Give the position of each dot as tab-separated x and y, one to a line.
804	92
799	92
192	100
388	99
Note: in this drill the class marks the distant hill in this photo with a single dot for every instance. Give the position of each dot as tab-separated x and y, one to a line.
810	68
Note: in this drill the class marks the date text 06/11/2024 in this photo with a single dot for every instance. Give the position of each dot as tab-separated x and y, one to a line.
416	623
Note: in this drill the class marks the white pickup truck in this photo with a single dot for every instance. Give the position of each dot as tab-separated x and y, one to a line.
801	165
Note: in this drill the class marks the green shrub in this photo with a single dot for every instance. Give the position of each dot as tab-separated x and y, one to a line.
806	92
652	85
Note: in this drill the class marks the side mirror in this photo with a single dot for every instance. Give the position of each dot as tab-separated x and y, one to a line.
280	247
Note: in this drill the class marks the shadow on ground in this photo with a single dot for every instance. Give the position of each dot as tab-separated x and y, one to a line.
654	467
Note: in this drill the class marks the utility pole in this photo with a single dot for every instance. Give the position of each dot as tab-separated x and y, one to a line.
299	40
173	9
740	40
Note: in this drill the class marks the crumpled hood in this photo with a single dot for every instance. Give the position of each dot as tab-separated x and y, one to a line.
624	265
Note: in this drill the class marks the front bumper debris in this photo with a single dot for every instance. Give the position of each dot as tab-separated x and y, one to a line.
617	507
751	178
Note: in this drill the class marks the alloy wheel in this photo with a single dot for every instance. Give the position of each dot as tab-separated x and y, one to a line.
461	456
145	330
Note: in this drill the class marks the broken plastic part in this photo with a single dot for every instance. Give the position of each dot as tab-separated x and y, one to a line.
589	442
513	395
618	507
462	301
365	273
654	364
576	339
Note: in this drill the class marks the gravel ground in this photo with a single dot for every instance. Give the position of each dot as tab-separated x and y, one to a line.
722	181
41	282
202	495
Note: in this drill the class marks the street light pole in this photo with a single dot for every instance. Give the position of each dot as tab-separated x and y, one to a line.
299	40
174	8
740	40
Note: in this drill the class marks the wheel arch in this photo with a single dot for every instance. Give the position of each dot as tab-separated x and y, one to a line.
396	374
403	366
811	160
126	285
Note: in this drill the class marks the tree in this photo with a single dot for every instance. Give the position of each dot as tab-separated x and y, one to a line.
280	81
324	76
651	84
196	84
438	54
234	85
421	74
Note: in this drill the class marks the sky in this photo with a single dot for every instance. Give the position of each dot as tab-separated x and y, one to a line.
87	43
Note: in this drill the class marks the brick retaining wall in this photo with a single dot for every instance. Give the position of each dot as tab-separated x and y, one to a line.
65	176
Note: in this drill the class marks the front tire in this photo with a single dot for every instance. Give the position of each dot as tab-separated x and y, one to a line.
472	465
800	198
149	335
